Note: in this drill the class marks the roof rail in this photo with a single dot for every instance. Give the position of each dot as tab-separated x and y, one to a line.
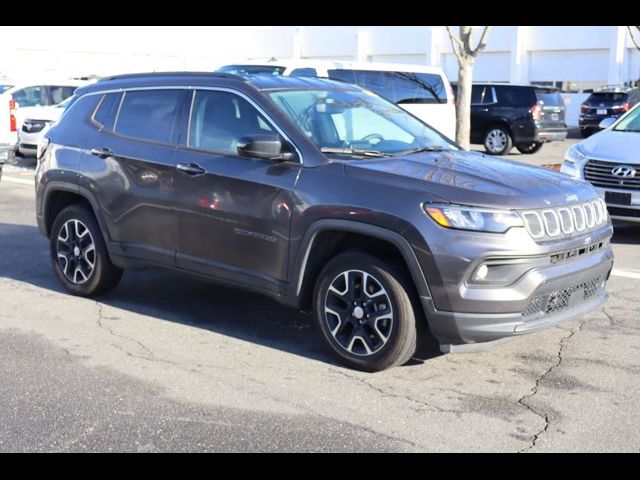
167	74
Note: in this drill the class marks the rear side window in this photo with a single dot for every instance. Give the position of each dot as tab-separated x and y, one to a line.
607	97
515	96
399	87
149	114
60	93
30	96
105	116
481	95
4	88
550	98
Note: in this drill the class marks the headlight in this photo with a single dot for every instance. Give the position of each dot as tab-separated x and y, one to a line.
471	218
574	155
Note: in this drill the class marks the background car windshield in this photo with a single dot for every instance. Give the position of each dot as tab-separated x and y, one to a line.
253	69
631	123
550	98
607	97
358	120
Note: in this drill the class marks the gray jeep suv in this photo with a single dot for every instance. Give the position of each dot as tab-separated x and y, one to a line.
323	196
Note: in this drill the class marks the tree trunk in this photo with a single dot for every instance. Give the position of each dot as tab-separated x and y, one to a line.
463	119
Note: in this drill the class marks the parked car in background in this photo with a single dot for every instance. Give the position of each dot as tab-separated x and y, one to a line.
607	102
325	197
421	90
22	94
38	121
526	116
609	160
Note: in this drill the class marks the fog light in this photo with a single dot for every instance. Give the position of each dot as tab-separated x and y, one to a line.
481	273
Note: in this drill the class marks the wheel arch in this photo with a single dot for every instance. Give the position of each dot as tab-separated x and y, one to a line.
326	238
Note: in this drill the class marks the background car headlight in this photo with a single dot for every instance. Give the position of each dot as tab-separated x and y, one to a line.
471	218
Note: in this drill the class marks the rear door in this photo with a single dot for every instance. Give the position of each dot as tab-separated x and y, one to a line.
551	107
483	100
131	167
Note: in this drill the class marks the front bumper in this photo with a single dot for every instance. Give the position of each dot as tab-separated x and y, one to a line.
553	288
28	142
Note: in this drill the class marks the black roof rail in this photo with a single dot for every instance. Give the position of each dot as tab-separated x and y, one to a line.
167	74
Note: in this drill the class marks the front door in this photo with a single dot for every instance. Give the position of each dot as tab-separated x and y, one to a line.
232	213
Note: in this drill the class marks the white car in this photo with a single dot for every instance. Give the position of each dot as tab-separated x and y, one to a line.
15	96
421	90
36	123
609	160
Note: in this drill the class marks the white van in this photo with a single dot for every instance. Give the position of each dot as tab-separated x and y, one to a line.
423	91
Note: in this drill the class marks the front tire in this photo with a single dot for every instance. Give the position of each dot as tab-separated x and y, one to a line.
79	255
498	141
363	308
529	148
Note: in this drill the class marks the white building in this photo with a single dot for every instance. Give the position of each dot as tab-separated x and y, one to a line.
571	57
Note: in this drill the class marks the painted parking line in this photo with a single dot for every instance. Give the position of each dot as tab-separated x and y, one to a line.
616	272
17	180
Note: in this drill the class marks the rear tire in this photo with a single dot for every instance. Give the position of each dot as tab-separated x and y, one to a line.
498	141
529	148
79	255
585	132
364	311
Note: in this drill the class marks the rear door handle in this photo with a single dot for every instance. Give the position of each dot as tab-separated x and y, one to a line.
103	152
191	169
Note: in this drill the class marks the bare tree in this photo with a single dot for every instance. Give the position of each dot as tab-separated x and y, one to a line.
635	29
466	55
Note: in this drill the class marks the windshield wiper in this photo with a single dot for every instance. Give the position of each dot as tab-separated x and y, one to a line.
353	151
428	148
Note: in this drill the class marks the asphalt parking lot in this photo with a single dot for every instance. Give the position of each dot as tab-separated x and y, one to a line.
169	363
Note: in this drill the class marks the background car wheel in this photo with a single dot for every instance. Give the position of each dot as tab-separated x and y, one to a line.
529	148
498	141
79	255
363	308
585	132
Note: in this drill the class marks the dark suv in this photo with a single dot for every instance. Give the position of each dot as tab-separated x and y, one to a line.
606	102
522	115
323	196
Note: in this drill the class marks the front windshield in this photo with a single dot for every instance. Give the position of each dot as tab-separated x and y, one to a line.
357	122
630	123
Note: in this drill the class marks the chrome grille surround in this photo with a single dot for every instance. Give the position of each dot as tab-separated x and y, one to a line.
600	174
563	222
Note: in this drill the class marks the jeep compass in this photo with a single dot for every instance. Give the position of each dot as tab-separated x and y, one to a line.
323	196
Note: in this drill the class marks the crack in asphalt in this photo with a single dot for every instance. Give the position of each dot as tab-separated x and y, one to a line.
543	415
101	324
385	393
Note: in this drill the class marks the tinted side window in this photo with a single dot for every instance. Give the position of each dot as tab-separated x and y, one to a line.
476	94
515	96
30	97
60	93
105	116
304	72
220	119
399	87
149	114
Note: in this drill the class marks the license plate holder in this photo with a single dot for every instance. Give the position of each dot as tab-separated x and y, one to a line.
617	198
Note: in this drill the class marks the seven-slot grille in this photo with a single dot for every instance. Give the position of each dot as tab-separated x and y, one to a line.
561	222
600	174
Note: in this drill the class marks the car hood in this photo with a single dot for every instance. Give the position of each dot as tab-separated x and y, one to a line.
613	146
471	178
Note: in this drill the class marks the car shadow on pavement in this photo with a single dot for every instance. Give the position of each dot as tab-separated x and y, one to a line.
180	298
626	234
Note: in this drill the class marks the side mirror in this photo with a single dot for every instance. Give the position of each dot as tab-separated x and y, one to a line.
607	122
263	145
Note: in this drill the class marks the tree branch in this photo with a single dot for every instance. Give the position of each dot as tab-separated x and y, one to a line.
482	43
456	44
633	39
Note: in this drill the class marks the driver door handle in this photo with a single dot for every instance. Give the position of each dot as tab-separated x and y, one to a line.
103	152
191	169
